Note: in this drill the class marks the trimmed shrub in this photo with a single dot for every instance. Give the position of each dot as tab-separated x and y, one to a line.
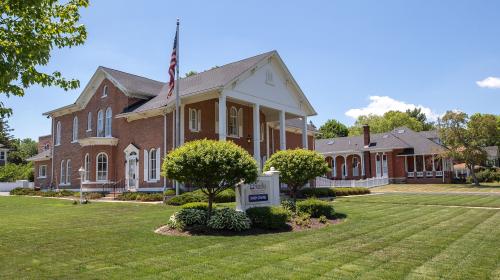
350	191
140	196
316	192
169	192
191	217
303	220
315	208
62	193
92	195
227	195
289	205
487	176
24	191
268	217
229	219
186	198
196	205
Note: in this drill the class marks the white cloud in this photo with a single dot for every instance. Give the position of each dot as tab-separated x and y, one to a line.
381	104
490	82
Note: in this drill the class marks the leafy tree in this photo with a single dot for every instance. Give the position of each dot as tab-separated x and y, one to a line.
13	172
214	166
6	138
29	30
465	138
297	167
420	116
191	73
22	149
488	126
332	129
385	123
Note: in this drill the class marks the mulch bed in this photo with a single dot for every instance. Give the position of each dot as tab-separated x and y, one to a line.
291	227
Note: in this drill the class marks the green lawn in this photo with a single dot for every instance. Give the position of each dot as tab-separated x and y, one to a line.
450	188
383	237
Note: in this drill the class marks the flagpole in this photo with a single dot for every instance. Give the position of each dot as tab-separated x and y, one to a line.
177	102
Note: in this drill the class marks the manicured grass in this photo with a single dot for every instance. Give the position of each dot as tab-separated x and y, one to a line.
380	239
465	188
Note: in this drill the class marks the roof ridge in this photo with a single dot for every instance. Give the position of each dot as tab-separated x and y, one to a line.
227	64
142	77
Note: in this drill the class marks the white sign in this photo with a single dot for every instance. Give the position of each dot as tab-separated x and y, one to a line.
264	192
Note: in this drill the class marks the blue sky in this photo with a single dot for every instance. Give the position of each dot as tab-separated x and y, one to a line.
349	57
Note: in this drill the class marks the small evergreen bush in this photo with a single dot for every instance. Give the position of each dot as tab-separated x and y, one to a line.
268	217
196	205
186	198
316	192
315	208
229	219
140	196
24	191
350	191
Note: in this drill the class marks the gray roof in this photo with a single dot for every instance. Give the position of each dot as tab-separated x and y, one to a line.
204	81
45	155
135	84
431	134
399	138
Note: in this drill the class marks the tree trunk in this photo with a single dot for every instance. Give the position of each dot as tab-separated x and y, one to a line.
210	201
473	174
293	193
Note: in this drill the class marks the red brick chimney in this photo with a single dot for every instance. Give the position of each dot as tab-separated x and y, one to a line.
366	135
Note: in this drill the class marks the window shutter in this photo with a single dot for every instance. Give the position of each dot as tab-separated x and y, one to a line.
216	117
146	163
199	120
240	122
158	164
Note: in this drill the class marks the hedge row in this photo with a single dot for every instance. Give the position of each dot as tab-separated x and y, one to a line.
32	192
331	192
198	196
140	196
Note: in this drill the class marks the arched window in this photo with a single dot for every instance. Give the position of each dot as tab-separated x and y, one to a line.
108	122
86	175
232	125
75	129
105	91
355	166
58	133
63	173
89	121
68	171
102	167
100	124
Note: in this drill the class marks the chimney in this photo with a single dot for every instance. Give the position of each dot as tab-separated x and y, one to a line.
366	134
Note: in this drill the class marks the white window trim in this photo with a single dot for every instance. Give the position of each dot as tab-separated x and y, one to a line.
62	172
86	176
230	134
97	168
58	133
104	92
2	155
74	130
101	128
157	166
108	128
89	122
68	172
197	120
39	169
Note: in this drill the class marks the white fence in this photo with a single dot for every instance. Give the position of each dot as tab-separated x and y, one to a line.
8	186
322	182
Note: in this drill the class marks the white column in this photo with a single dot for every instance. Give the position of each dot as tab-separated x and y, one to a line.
282	131
256	134
406	164
182	124
267	140
304	132
415	165
222	117
423	161
433	165
362	164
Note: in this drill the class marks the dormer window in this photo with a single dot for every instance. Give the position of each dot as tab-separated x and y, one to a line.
269	78
104	92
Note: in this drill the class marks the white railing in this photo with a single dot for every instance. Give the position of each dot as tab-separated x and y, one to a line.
420	174
429	174
439	173
411	174
322	182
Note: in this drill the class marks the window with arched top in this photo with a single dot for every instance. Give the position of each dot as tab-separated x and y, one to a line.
109	119
152	164
68	171
75	129
232	124
355	166
102	167
89	121
100	124
58	133
86	166
104	91
62	175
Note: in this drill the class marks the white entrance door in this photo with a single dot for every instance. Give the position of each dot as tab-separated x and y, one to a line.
132	171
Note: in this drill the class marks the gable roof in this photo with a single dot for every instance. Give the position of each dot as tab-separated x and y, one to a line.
213	79
399	138
134	84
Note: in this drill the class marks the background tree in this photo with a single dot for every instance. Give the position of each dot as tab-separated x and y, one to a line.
6	138
420	116
385	123
21	150
29	30
211	165
191	73
297	167
488	126
332	129
465	138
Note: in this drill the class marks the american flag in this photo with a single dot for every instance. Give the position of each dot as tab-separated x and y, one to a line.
171	69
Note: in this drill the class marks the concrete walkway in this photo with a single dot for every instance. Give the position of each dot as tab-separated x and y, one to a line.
4	193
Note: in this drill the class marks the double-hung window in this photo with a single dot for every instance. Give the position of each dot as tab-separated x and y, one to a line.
194	120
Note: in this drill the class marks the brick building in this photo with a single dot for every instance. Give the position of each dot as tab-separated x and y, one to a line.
402	155
121	125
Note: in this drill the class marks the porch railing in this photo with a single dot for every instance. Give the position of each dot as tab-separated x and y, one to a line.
323	182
